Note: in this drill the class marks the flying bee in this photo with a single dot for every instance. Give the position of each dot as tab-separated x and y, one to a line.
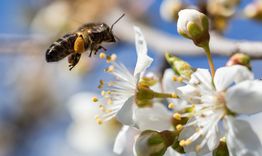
87	37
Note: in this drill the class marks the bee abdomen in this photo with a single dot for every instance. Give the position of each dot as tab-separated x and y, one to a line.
61	48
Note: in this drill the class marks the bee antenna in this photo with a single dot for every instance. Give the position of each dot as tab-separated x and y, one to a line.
117	20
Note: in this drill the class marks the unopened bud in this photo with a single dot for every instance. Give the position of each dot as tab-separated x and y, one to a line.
194	25
222	8
254	10
181	68
155	143
239	58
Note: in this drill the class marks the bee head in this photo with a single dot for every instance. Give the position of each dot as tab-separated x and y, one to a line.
112	37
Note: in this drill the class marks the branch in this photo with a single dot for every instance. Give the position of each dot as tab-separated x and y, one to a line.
162	42
158	41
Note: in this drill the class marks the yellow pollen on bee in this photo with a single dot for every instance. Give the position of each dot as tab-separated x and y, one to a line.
110	69
94	99
171	105
177	116
79	45
197	148
102	55
179	127
113	57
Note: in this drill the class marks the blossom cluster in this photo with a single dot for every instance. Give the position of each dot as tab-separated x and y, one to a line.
187	111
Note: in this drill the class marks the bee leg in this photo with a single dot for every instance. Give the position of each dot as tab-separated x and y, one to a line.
73	59
100	47
90	54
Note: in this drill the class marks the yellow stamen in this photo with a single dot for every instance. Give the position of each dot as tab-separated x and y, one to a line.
179	127
102	55
99	121
180	79
101	82
108	111
174	95
177	116
102	108
174	78
110	69
109	101
103	93
171	105
188	142
108	59
113	57
182	143
94	99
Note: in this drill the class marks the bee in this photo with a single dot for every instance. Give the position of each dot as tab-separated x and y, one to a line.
88	37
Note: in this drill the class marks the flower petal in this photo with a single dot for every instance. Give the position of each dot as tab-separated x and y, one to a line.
245	97
125	114
241	139
143	60
169	85
189	93
121	140
153	118
225	76
186	133
202	77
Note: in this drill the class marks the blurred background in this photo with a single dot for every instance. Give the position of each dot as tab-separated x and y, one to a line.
45	109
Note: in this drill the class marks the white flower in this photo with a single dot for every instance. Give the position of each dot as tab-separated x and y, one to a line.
170	86
156	118
232	92
83	132
122	92
193	24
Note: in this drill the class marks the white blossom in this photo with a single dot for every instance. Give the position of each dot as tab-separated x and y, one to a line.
233	91
122	91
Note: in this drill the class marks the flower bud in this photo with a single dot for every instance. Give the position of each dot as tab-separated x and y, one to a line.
254	10
153	143
222	149
222	8
194	25
239	58
181	68
169	9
